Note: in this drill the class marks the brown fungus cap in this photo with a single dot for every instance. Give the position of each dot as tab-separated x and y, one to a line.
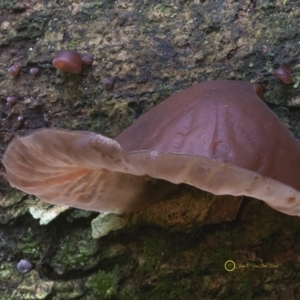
218	136
69	61
284	73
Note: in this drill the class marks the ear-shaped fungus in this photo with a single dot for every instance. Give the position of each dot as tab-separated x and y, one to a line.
218	136
69	61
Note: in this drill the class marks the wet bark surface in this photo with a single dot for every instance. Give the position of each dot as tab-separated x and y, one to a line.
151	49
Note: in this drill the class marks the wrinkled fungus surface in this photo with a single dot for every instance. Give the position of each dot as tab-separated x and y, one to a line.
218	136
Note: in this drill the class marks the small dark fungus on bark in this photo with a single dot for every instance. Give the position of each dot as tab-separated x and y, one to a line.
88	59
24	266
11	100
34	71
69	61
108	83
14	70
284	73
